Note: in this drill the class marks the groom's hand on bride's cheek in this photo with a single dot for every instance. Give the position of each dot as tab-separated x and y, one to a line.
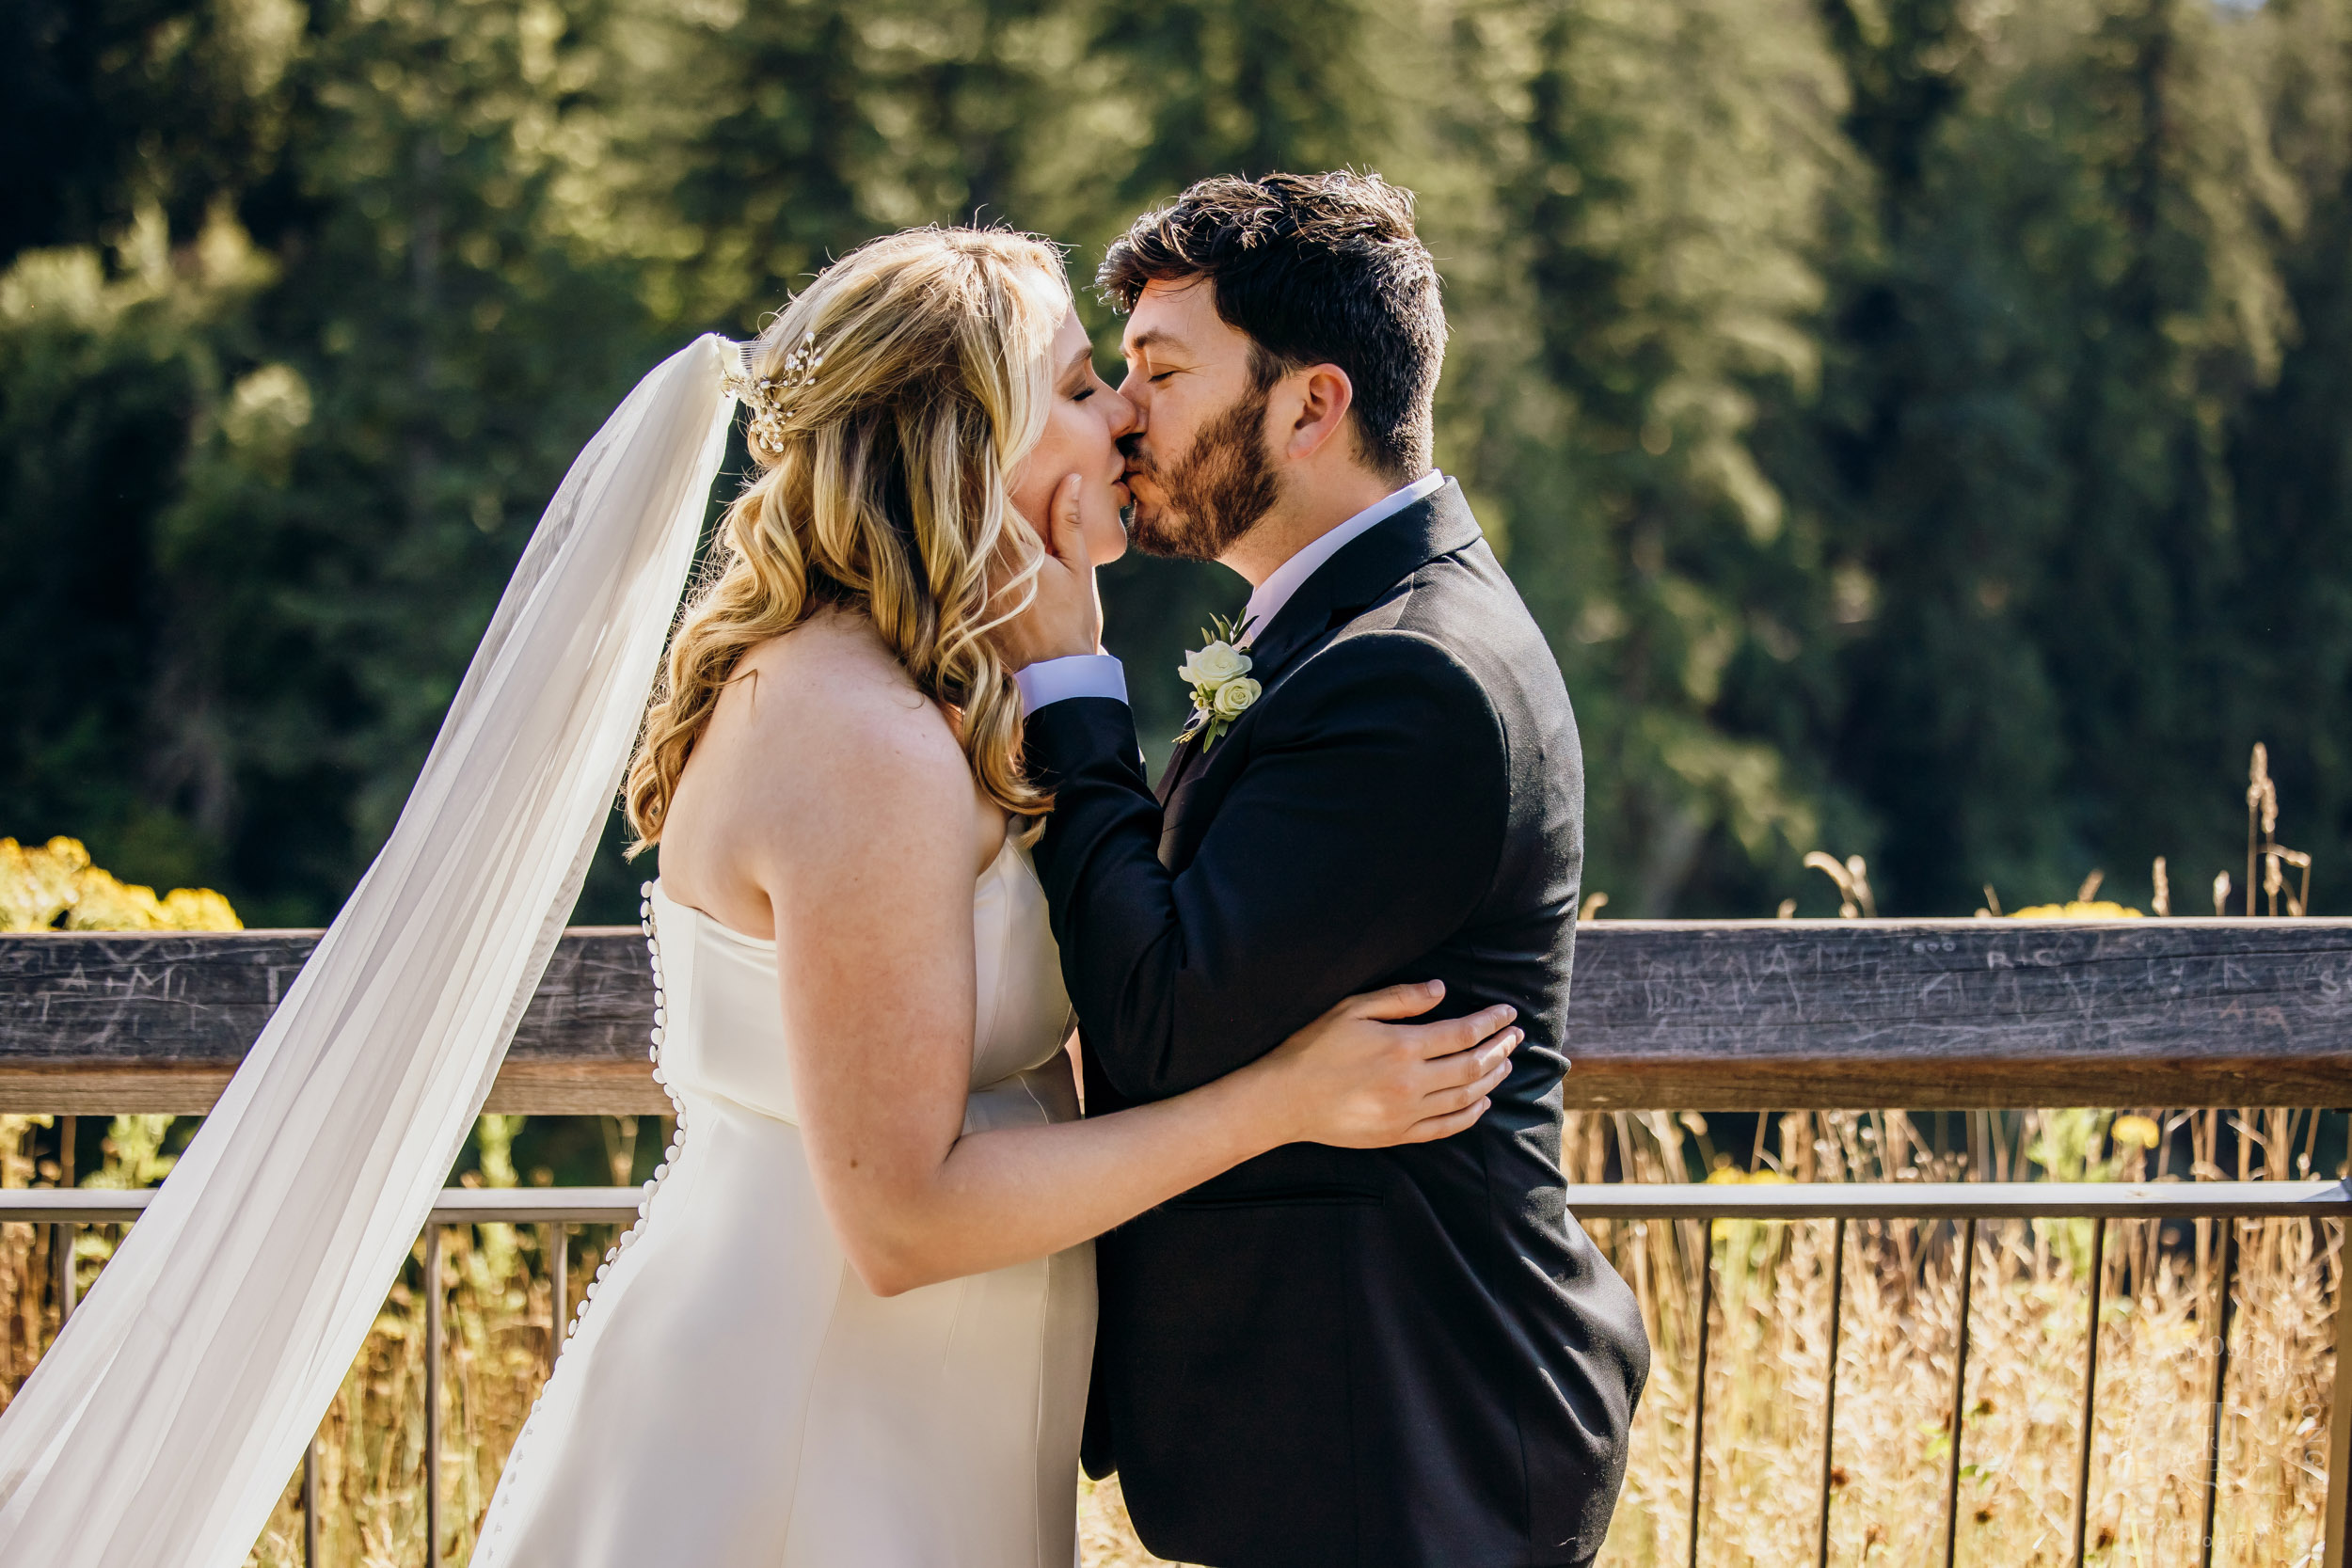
1066	615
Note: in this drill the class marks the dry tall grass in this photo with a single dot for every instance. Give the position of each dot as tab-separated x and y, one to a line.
1767	1358
1766	1364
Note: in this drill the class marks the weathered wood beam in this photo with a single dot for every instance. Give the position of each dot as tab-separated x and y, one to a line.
108	1023
1744	1015
1961	1014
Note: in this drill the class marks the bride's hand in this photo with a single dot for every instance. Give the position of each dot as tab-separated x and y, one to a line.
1065	615
1358	1080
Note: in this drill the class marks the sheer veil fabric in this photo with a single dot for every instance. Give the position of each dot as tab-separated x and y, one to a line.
161	1428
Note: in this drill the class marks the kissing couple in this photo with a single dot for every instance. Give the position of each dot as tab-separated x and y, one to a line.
1301	1272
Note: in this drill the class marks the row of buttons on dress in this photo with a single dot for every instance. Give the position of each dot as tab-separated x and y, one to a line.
677	1141
497	1524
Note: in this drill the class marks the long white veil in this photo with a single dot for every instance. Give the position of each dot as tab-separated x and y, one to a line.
159	1431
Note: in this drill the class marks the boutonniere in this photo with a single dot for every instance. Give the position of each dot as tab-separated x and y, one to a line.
1219	673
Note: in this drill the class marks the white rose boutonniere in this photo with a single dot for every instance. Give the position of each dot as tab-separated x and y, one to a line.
1219	673
1233	696
1216	664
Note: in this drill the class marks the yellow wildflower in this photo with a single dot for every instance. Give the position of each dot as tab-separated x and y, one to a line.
39	885
198	908
2075	909
1732	1176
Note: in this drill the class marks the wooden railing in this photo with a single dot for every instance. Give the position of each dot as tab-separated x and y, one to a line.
1740	1015
1731	1016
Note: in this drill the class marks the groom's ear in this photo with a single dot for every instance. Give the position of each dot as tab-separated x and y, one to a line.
1308	409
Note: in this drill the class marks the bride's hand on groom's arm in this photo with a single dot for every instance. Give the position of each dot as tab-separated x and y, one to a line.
1065	617
1358	1078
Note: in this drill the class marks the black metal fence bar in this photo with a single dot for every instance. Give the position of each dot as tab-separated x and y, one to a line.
2090	1386
65	1282
2230	1201
1698	1382
2339	1505
433	1395
2221	1385
1829	1387
559	1251
1960	1395
311	1504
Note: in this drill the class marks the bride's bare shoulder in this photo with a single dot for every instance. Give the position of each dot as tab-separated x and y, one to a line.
820	753
824	724
829	697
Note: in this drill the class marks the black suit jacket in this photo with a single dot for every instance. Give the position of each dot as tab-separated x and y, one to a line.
1408	1356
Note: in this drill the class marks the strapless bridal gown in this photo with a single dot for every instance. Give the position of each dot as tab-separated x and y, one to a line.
732	1396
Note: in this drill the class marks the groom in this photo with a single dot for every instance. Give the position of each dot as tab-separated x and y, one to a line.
1402	1356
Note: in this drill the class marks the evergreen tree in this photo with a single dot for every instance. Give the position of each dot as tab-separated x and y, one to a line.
111	107
105	364
1930	459
2067	285
337	448
2289	615
1649	279
1918	426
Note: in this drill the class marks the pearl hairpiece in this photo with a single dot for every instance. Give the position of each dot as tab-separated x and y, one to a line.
772	400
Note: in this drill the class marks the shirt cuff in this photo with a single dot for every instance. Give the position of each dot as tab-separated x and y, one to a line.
1053	680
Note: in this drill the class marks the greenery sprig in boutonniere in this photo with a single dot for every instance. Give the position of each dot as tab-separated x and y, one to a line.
1219	674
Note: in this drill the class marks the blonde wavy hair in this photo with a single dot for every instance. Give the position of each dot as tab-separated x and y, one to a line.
882	491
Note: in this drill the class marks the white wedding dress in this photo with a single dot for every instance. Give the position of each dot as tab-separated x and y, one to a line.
733	1396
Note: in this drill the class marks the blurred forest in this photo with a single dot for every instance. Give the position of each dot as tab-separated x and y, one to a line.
1920	425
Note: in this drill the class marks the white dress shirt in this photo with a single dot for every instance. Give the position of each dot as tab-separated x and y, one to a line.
1052	680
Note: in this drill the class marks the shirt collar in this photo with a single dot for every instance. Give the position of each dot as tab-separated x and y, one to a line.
1270	595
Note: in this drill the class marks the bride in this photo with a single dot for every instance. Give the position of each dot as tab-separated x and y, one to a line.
854	1324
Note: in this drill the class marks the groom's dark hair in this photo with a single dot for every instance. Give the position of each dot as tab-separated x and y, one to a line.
1316	269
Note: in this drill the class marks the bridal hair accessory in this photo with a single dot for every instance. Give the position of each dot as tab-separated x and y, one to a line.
772	400
1219	673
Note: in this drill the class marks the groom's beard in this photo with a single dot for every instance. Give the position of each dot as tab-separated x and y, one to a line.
1216	494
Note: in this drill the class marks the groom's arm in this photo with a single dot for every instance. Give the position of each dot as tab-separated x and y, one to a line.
1363	830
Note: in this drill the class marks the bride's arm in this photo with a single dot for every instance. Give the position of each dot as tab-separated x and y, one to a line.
865	848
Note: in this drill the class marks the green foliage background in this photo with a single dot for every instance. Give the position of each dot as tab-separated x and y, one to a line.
1920	425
